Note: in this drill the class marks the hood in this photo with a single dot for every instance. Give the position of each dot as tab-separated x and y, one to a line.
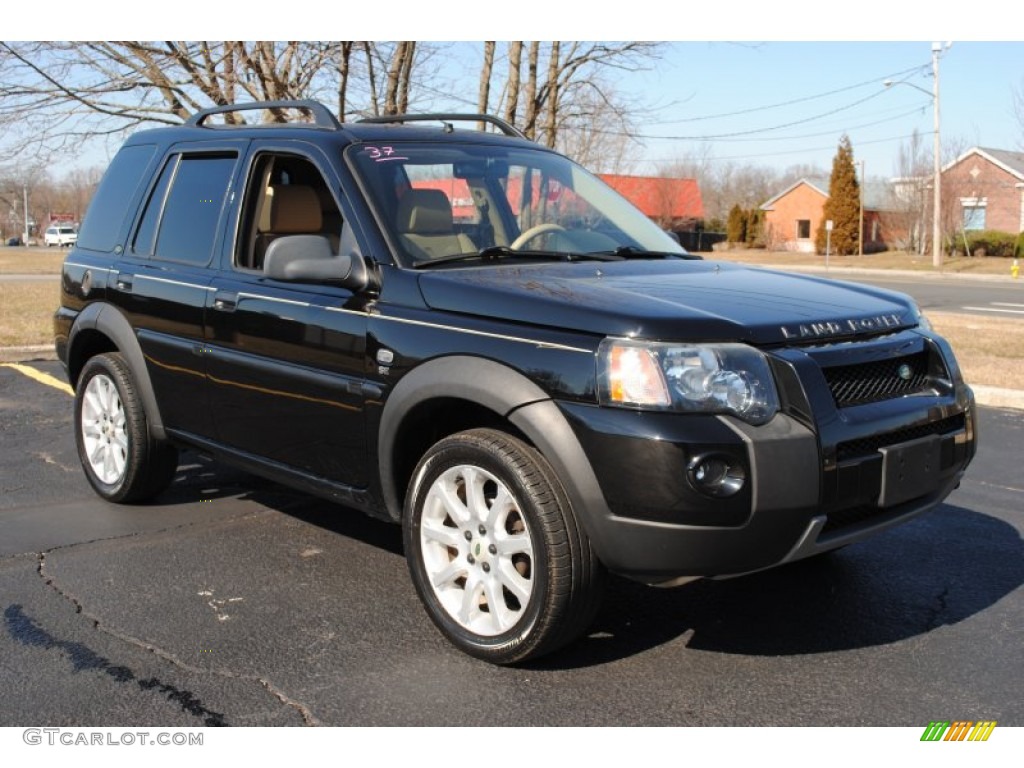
669	300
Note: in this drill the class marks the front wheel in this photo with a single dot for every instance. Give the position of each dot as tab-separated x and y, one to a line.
495	551
122	462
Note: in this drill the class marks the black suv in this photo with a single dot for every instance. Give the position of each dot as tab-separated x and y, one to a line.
468	333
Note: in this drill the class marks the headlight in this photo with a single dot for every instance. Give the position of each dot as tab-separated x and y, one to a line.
923	322
695	378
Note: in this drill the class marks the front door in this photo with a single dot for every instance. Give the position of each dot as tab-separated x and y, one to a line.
286	360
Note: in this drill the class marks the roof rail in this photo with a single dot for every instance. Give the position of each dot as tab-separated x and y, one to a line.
507	128
321	115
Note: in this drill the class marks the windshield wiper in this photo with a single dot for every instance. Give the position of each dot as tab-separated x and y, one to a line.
498	252
632	252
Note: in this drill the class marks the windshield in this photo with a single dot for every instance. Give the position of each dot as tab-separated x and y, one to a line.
440	201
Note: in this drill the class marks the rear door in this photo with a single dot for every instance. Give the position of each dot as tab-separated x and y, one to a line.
163	278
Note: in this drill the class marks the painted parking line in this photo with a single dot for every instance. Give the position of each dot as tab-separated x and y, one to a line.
42	378
996	309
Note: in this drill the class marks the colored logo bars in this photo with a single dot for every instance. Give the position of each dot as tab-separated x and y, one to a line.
960	730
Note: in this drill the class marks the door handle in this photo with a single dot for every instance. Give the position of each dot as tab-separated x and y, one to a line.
224	301
124	282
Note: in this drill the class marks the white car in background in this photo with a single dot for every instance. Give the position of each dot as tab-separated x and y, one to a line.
62	236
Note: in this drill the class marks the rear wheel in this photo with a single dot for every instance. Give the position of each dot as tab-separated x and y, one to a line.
495	551
122	462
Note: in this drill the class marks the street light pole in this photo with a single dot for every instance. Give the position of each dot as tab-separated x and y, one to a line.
24	195
937	50
937	183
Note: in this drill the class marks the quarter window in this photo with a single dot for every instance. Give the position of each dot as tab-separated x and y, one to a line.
106	215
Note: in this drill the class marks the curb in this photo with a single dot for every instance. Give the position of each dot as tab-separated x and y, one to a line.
840	271
998	397
994	397
27	354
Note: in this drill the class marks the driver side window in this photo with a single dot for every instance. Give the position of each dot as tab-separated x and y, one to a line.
285	195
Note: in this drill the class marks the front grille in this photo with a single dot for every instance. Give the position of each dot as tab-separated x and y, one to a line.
854	449
879	380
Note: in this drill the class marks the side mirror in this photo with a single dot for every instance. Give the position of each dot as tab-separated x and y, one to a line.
309	258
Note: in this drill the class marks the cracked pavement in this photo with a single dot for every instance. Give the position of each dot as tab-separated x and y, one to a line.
233	601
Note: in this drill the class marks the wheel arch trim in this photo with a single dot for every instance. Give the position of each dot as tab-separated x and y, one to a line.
514	397
108	320
494	386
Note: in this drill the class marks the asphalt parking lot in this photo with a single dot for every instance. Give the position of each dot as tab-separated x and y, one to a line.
234	601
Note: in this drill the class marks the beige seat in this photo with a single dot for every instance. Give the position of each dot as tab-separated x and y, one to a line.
425	223
287	210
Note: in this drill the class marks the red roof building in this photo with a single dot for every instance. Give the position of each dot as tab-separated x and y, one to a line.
671	203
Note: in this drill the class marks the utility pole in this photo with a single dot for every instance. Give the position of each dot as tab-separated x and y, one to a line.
937	182
860	230
24	196
937	50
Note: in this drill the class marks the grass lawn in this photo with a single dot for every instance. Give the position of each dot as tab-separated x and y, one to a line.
18	260
990	350
983	265
26	312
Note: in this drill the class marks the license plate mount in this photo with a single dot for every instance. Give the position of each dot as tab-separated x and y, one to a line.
910	469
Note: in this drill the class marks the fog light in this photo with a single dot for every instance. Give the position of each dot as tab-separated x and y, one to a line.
716	475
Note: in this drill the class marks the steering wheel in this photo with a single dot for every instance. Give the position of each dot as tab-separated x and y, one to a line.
533	232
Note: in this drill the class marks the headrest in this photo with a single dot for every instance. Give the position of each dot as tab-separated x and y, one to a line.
294	209
425	212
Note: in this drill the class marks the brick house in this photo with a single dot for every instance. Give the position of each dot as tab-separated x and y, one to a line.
984	189
792	217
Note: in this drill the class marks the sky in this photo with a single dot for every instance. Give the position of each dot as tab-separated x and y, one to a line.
785	103
779	103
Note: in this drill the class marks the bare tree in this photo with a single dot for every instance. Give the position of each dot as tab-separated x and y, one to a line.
396	94
55	95
725	184
345	49
73	91
530	92
566	98
583	135
512	84
484	95
1018	109
908	211
18	183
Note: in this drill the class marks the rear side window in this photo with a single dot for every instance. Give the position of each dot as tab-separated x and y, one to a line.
181	217
105	218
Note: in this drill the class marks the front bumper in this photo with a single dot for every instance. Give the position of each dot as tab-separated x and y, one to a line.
657	527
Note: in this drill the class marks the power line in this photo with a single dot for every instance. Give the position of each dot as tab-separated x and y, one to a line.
801	150
845	129
872	81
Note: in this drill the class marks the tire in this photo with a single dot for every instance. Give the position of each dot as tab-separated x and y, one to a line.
506	572
122	462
